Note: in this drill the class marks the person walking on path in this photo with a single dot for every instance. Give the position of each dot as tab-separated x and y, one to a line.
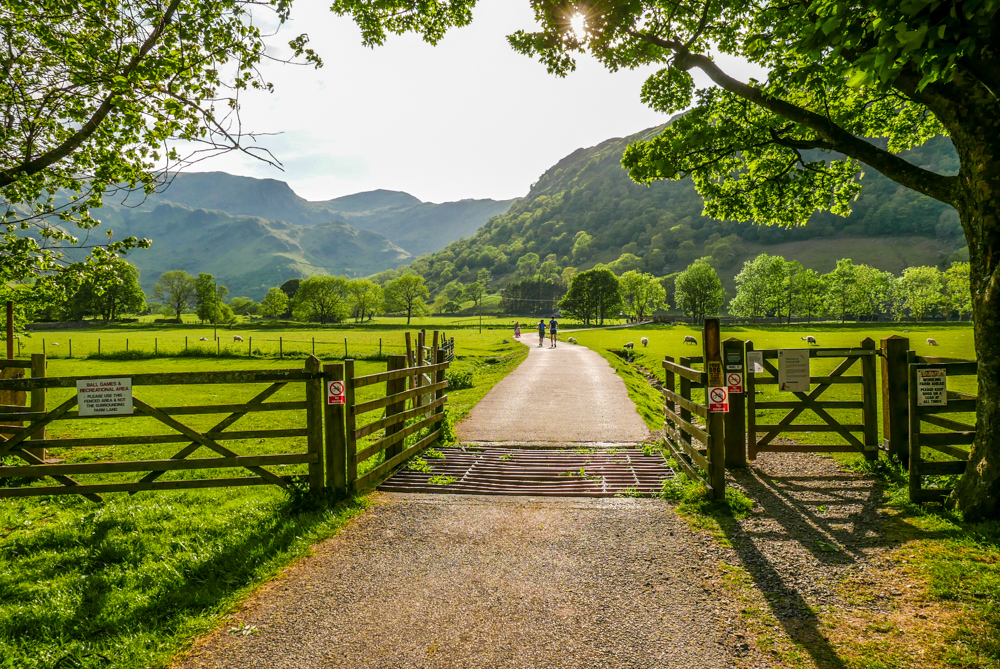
541	333
517	329
552	331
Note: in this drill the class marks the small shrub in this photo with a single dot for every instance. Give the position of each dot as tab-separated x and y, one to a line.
460	377
441	480
434	454
630	492
132	354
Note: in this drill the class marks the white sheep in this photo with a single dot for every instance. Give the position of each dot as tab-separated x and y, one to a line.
630	345
809	338
645	341
572	340
688	339
203	339
931	342
237	338
55	343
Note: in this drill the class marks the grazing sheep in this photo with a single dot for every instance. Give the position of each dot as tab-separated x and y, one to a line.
237	338
688	339
55	343
630	345
809	338
645	341
572	340
905	331
203	339
931	342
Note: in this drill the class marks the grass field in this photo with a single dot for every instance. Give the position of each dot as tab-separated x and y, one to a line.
954	340
127	583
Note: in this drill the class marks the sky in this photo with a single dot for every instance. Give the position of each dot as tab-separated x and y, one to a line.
467	118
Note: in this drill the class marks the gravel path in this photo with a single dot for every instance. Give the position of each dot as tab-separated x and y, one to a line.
450	581
567	394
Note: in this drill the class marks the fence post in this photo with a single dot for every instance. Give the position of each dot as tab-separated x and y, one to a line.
314	425
869	400
350	425
734	358
439	377
38	400
668	384
913	424
393	386
895	405
185	344
99	345
281	349
750	390
418	379
716	420
336	441
685	414
156	346
250	347
70	348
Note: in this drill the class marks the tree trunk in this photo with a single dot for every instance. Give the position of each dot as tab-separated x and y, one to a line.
978	204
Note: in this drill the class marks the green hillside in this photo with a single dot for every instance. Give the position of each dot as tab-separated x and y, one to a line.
417	227
250	254
588	192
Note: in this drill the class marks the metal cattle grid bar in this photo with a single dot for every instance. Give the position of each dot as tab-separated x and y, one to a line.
553	473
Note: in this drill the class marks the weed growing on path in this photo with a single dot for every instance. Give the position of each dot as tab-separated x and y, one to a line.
418	464
441	480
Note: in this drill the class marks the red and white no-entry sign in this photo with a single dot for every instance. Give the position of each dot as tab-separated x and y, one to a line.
734	381
335	392
718	400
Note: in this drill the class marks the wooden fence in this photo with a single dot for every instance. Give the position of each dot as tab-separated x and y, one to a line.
17	441
928	400
861	437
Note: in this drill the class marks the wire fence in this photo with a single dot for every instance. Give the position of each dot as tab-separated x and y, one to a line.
122	347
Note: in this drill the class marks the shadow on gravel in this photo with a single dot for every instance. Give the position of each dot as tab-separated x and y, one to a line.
798	504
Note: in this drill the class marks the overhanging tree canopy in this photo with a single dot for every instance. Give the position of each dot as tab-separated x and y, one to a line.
101	97
840	75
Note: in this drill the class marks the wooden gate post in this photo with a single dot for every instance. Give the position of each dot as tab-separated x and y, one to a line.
750	392
350	425
38	400
895	405
711	339
734	355
336	441
393	386
685	413
439	377
314	425
869	400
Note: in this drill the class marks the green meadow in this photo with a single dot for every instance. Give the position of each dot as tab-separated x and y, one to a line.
127	583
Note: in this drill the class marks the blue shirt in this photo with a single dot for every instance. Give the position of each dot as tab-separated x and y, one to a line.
552	325
541	327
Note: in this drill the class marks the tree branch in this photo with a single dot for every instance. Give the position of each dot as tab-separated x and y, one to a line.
902	172
90	127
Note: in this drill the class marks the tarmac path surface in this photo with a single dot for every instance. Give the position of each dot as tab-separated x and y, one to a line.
449	581
567	394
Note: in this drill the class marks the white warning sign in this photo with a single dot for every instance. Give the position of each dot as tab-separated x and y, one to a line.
793	370
335	392
755	361
104	397
734	382
932	388
718	400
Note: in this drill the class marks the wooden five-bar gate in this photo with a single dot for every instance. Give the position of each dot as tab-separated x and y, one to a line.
860	436
325	455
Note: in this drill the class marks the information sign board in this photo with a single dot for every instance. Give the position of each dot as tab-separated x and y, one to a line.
718	400
734	360
104	397
793	370
335	392
734	382
755	361
932	388
714	373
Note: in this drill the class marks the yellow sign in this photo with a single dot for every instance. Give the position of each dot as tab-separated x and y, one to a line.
715	378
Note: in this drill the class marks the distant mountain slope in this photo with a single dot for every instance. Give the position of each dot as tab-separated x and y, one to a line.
418	227
251	254
588	192
424	227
